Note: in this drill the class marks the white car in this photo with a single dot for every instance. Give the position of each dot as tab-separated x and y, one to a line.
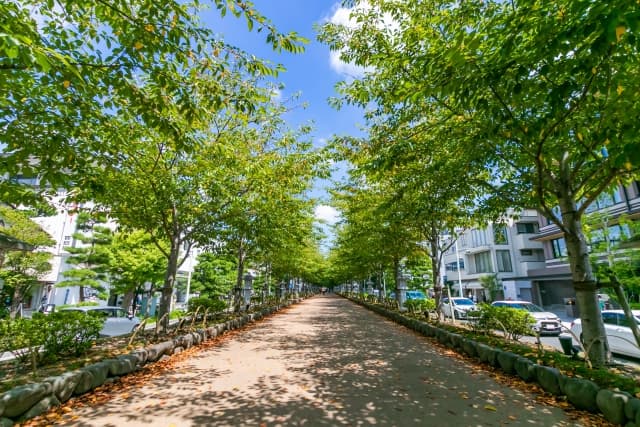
547	323
117	321
619	335
461	307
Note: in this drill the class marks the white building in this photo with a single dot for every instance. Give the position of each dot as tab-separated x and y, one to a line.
505	250
61	227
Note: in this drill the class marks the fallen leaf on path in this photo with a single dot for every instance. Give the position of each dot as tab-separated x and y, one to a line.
490	408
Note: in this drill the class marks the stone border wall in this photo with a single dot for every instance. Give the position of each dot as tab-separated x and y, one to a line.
30	400
617	407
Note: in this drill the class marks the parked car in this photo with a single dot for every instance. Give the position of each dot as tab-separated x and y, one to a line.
547	323
619	335
117	320
409	295
461	307
415	295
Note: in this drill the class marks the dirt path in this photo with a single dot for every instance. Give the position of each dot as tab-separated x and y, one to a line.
323	362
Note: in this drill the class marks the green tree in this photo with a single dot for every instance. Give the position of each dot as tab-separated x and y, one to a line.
214	275
22	270
539	94
90	258
70	68
492	285
614	249
134	261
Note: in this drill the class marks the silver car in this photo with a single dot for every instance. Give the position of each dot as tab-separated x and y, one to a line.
547	323
461	307
117	321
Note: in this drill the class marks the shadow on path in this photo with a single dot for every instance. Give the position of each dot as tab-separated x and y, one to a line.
323	362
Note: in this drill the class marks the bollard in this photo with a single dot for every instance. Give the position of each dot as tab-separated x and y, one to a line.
567	344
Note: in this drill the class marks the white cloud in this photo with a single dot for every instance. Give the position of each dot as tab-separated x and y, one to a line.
326	213
276	94
341	16
344	68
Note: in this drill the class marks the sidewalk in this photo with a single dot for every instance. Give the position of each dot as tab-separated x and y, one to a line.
323	362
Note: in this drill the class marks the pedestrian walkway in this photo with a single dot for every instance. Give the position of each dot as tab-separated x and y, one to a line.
323	362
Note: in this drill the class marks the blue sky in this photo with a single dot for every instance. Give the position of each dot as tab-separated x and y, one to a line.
312	73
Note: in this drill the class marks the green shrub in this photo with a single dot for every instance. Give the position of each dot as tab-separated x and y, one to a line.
204	303
177	314
47	337
420	305
68	333
23	338
513	322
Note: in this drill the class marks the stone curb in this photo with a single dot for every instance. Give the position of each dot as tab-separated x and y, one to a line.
30	400
617	407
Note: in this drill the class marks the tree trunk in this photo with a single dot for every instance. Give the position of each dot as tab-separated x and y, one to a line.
435	256
169	283
127	300
237	294
585	285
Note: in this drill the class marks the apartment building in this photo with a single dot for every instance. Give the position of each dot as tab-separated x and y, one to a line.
552	283
529	254
506	250
61	226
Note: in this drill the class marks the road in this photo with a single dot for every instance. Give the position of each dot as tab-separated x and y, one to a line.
323	362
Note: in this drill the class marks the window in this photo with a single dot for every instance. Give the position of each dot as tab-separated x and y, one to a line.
526	252
609	318
453	266
66	241
527	227
503	259
605	200
500	236
483	262
559	248
478	238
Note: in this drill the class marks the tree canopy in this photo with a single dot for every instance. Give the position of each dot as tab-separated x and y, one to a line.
538	100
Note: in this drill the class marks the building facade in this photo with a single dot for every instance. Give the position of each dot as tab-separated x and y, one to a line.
552	284
505	250
528	255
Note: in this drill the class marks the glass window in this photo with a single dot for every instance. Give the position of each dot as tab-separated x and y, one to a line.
479	238
453	266
527	227
500	236
559	248
66	241
503	259
623	321
483	262
609	318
